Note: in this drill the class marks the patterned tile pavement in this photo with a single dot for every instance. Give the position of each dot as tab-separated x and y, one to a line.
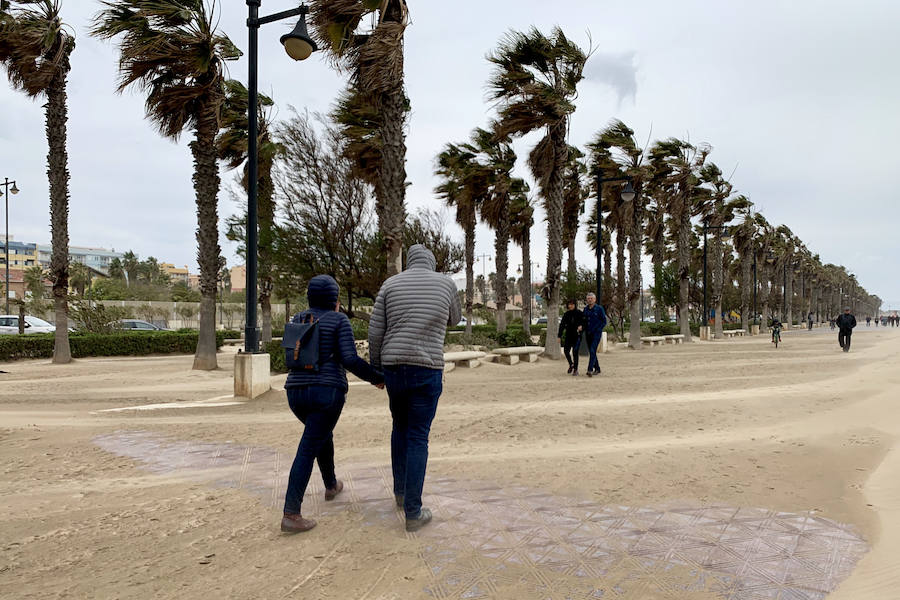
485	537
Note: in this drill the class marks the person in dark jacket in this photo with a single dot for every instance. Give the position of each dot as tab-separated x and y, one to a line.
846	322
594	322
318	398
570	327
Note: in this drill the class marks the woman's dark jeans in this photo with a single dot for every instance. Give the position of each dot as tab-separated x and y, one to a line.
571	356
318	408
413	393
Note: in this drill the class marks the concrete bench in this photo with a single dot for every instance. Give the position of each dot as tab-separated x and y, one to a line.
654	340
677	338
511	356
469	359
734	332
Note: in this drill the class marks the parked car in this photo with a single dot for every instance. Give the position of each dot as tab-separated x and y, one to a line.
138	325
10	324
462	322
541	321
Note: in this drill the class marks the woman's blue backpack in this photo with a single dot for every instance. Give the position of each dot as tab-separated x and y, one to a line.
301	345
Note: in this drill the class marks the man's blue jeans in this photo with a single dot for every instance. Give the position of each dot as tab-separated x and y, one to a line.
318	408
413	393
593	340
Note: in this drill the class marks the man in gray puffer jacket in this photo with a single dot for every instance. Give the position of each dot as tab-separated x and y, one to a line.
406	340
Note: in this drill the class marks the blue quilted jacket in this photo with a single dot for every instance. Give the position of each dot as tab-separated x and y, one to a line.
337	350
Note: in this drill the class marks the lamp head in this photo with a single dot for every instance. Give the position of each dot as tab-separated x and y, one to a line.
628	193
297	43
14	189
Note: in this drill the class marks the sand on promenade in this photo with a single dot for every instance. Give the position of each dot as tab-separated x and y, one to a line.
708	470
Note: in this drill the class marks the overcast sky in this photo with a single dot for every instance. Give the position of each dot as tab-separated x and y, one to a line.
800	97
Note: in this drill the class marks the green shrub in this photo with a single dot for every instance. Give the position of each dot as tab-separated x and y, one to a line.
276	357
14	347
232	334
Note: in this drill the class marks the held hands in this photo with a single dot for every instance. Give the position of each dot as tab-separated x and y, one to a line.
380	386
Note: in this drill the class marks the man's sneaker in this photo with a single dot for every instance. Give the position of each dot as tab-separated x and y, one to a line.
574	373
590	373
419	522
294	523
398	500
597	371
337	489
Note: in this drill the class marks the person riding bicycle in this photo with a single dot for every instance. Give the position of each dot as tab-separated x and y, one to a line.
776	328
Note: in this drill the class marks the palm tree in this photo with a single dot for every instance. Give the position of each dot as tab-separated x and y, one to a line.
535	79
615	146
79	277
676	165
374	109
232	148
462	188
522	210
171	50
116	269
497	159
575	193
130	264
655	233
743	235
35	46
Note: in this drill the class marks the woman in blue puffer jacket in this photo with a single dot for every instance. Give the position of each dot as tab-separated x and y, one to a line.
318	398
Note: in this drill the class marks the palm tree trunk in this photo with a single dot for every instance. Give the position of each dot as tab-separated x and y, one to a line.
266	211
501	250
718	282
470	269
554	236
658	264
572	266
390	190
746	290
683	250
621	283
526	275
58	173
206	188
635	249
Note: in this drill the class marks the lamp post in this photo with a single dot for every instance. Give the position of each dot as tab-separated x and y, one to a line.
298	46
705	261
627	195
8	186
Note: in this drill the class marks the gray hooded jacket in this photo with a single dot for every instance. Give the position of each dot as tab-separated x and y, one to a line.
411	315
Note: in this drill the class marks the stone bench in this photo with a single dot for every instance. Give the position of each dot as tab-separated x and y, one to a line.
734	332
469	359
654	340
676	338
511	356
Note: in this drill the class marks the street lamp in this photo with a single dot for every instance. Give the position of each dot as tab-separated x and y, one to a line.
531	266
627	195
298	46
705	261
8	186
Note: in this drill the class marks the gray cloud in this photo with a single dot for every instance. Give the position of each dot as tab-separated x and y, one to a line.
619	71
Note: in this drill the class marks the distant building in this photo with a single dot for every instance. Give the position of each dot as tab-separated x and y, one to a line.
238	278
95	258
15	288
194	281
19	255
177	274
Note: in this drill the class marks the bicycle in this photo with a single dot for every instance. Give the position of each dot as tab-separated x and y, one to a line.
776	336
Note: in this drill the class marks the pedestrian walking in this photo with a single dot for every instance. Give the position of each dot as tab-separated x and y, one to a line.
594	322
809	321
569	335
316	393
868	321
406	339
846	322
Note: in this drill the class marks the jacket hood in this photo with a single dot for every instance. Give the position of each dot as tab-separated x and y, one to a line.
322	292
420	257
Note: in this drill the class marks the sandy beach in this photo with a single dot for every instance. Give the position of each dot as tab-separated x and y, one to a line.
709	470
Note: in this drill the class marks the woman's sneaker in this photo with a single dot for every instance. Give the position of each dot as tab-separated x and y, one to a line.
419	522
571	368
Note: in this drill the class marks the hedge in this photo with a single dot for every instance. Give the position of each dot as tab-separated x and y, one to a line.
82	345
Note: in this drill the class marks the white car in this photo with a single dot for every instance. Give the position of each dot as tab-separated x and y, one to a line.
10	324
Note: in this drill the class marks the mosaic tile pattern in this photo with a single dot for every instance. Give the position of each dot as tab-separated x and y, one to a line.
486	538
